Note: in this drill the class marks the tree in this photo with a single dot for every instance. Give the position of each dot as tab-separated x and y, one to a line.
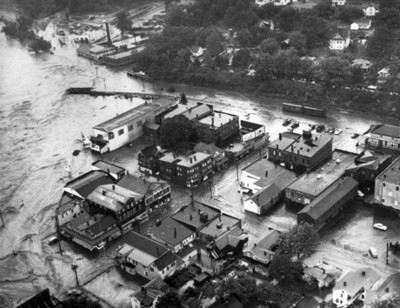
176	132
389	17
283	268
299	242
169	300
335	71
299	41
265	68
123	22
81	302
40	44
245	38
242	58
315	29
288	19
391	302
213	44
380	43
357	75
324	9
348	13
287	62
270	45
243	287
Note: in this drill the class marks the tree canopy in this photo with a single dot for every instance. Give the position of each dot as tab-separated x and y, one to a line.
175	133
169	300
124	24
81	302
391	302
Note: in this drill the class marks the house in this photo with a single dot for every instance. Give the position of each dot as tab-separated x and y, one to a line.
365	65
122	204
367	166
148	159
185	170
260	3
229	244
263	251
115	171
98	51
250	130
147	296
126	127
338	2
155	192
370	10
218	126
218	155
387	186
196	215
262	201
308	301
324	279
329	204
384	136
207	264
383	75
217	227
309	186
172	234
197	52
360	24
340	41
300	153
146	257
119	59
354	286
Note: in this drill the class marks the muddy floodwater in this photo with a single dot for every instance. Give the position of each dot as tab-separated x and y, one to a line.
40	127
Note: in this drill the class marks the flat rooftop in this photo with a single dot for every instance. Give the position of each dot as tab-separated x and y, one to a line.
283	143
170	231
220	225
127	117
107	166
198	112
190	214
185	161
121	55
218	119
309	147
392	173
317	181
277	174
181	108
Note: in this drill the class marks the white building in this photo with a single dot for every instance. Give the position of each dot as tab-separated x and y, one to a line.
360	24
338	2
385	136
124	128
144	256
354	286
340	41
261	3
387	186
382	75
370	11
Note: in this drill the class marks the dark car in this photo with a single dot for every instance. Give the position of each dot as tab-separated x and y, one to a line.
320	128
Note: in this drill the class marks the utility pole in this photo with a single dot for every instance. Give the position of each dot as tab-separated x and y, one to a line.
74	267
387	253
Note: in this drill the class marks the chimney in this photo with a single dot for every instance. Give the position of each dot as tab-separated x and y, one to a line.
104	192
277	146
265	253
363	273
174	232
344	283
298	152
194	157
191	217
292	148
109	42
191	161
113	187
158	251
255	245
280	136
219	218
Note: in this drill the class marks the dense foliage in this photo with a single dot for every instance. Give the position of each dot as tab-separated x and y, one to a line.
169	300
391	302
179	278
81	302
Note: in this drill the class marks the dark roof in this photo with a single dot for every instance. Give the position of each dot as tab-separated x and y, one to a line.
81	219
150	151
220	225
165	260
307	302
105	166
101	225
85	184
387	130
66	203
190	214
232	303
145	244
392	173
391	285
166	228
265	195
41	300
329	198
138	185
193	302
231	238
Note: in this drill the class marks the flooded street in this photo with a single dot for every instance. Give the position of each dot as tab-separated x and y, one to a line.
40	127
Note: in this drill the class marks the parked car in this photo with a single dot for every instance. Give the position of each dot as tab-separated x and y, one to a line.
380	226
53	240
320	128
355	135
286	122
338	131
295	124
373	252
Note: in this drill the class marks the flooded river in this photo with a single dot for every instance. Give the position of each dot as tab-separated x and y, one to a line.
40	127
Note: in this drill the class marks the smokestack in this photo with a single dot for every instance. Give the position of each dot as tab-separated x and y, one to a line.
109	42
280	136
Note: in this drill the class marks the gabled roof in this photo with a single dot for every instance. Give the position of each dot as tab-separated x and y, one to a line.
232	238
165	260
85	184
101	225
107	166
265	195
151	151
387	130
141	186
352	282
170	231
198	112
391	285
67	203
307	302
262	249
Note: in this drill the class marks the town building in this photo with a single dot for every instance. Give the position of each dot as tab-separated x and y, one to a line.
148	159
42	299
300	153
338	2
217	227
196	215
151	130
146	257
219	159
218	126
250	130
115	171
360	24
370	10
310	185
323	278
263	251
98	51
261	3
156	192
126	127
367	166
122	204
267	182
148	295
383	75
69	208
340	41
185	170
172	234
238	150
365	65
229	244
119	59
329	204
354	286
387	186
384	136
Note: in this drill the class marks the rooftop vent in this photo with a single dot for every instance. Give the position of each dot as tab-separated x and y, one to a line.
219	225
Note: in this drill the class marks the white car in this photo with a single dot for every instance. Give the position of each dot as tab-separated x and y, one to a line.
338	131
373	252
380	226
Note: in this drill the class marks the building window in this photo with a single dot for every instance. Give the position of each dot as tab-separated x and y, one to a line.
111	135
130	127
384	184
151	269
139	123
120	132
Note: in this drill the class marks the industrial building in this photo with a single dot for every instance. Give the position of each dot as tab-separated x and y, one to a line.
387	186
